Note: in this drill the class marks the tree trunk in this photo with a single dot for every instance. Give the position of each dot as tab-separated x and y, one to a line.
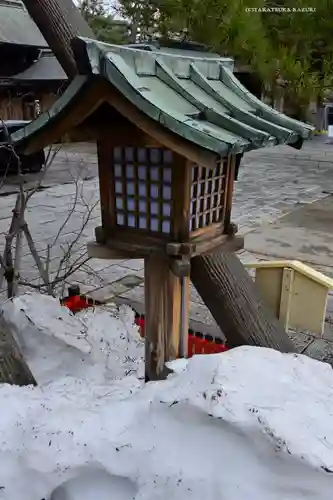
59	22
13	368
235	303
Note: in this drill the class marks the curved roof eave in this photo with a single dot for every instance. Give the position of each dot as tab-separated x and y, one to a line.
123	67
195	98
53	115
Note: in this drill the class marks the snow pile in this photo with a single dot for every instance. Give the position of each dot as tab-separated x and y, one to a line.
101	343
249	423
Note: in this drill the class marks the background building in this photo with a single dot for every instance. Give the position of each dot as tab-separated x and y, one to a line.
29	73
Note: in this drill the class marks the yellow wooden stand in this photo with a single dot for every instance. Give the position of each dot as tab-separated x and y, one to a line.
295	292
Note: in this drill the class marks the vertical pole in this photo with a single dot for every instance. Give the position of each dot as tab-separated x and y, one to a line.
106	184
182	180
167	295
184	319
230	190
286	297
163	316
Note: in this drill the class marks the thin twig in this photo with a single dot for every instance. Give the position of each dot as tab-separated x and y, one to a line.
17	262
48	258
69	215
49	160
66	267
75	267
4	177
7	256
36	257
79	234
56	281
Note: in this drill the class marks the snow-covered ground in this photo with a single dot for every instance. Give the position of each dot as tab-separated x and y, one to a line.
250	423
103	343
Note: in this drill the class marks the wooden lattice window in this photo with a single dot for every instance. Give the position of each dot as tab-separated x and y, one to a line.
207	195
143	178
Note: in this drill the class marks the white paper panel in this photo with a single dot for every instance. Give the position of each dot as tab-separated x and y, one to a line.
142	223
120	219
131	221
167	174
130	188
154	208
166	226
166	193
117	170
129	171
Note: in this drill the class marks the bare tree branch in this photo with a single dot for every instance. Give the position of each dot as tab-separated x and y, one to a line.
69	215
67	266
86	220
42	271
8	256
48	162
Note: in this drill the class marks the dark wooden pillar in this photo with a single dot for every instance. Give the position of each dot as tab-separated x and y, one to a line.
235	303
59	22
163	316
166	293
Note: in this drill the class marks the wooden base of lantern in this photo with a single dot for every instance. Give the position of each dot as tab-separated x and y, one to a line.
121	244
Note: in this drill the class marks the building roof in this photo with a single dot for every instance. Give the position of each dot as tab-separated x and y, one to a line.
198	99
46	67
17	27
177	48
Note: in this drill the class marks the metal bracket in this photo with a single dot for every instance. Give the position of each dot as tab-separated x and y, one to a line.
100	235
180	249
232	229
181	267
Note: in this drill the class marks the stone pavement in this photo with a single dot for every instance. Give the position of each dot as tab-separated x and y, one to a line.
272	182
71	161
305	234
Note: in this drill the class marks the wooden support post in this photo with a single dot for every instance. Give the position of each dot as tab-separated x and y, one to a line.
59	22
230	191
13	367
106	184
286	297
235	302
163	303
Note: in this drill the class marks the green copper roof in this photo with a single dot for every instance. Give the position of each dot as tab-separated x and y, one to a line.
197	98
17	27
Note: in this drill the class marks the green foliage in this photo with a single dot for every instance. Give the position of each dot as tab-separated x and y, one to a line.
141	15
91	8
106	28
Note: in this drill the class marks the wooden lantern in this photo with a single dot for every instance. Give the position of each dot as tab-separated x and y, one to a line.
169	131
164	208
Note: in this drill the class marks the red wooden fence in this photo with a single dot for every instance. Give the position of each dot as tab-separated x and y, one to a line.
198	343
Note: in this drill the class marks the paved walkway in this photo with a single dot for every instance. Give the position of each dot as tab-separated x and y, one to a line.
272	183
72	160
305	234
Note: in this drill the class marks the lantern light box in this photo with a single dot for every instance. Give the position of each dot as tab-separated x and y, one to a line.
150	187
